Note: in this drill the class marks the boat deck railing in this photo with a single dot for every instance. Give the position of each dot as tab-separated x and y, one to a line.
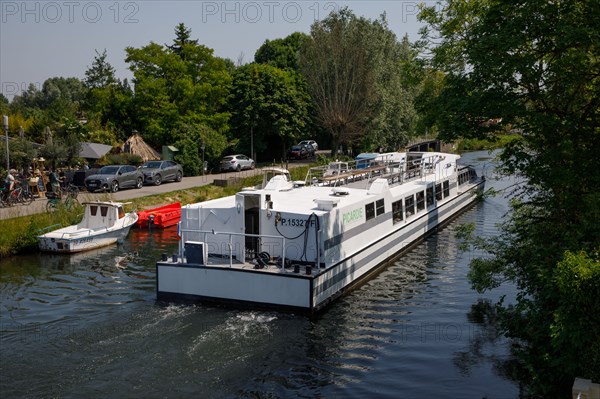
396	172
184	233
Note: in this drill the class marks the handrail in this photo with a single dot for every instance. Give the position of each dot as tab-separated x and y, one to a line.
212	232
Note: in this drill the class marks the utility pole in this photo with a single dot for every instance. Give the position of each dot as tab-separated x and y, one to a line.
6	132
203	164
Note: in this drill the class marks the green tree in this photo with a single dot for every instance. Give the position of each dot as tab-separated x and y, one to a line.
282	53
189	86
534	66
60	99
356	70
189	140
268	108
3	104
339	78
109	102
182	39
21	153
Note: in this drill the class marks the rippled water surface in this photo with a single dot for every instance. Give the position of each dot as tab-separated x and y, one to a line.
87	325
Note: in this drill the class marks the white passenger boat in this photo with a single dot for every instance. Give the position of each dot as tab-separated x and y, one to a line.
103	223
299	245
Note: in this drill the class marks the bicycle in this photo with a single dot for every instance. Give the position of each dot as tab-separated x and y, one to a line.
4	198
66	197
20	196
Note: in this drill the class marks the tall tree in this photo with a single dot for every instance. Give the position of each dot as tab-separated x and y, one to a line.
182	38
535	64
339	78
101	74
267	107
187	87
108	101
356	73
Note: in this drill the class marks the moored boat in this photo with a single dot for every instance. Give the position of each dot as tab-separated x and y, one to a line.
103	223
161	217
299	245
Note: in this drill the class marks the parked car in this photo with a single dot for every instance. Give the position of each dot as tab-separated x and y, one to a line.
311	143
310	150
114	177
236	162
298	152
156	172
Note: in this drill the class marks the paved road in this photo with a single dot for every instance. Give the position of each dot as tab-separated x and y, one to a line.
39	205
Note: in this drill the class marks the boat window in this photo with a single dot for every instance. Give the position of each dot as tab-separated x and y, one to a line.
429	193
380	207
370	211
446	189
420	201
409	205
397	211
121	213
94	210
103	211
438	191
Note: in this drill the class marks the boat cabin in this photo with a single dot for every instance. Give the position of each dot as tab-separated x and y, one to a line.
101	214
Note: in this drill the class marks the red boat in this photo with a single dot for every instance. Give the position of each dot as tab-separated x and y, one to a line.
164	216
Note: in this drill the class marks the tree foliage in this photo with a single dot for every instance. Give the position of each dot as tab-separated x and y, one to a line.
186	85
534	66
267	103
356	71
338	75
190	139
282	53
108	103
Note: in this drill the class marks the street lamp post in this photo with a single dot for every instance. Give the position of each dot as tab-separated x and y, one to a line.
6	132
252	143
203	165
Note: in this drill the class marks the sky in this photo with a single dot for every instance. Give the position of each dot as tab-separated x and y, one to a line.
44	39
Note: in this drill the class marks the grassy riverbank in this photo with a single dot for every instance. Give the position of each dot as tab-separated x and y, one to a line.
19	233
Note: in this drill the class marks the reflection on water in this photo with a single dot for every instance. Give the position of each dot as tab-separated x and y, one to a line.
88	325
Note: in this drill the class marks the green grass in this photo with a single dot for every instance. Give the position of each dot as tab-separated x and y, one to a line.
19	233
500	141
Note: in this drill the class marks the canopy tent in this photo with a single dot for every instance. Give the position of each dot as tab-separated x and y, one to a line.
93	150
137	146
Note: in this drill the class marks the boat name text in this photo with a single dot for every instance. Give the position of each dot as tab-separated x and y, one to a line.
296	222
352	216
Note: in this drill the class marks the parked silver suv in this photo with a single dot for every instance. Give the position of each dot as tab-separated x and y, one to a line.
236	162
114	177
156	172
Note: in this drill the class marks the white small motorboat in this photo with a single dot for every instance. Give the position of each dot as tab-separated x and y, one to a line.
103	223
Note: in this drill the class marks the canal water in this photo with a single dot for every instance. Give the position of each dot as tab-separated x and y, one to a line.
87	325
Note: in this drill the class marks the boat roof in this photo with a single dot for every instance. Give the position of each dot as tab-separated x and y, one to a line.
275	169
107	203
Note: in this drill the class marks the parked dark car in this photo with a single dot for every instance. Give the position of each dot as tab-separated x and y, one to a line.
298	152
236	162
156	172
114	177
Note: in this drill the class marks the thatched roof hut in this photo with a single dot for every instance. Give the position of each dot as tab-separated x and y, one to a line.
136	145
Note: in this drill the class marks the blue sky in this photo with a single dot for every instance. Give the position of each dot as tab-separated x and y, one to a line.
44	39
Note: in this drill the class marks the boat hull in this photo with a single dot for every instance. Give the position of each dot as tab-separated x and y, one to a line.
163	217
81	243
111	226
300	291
